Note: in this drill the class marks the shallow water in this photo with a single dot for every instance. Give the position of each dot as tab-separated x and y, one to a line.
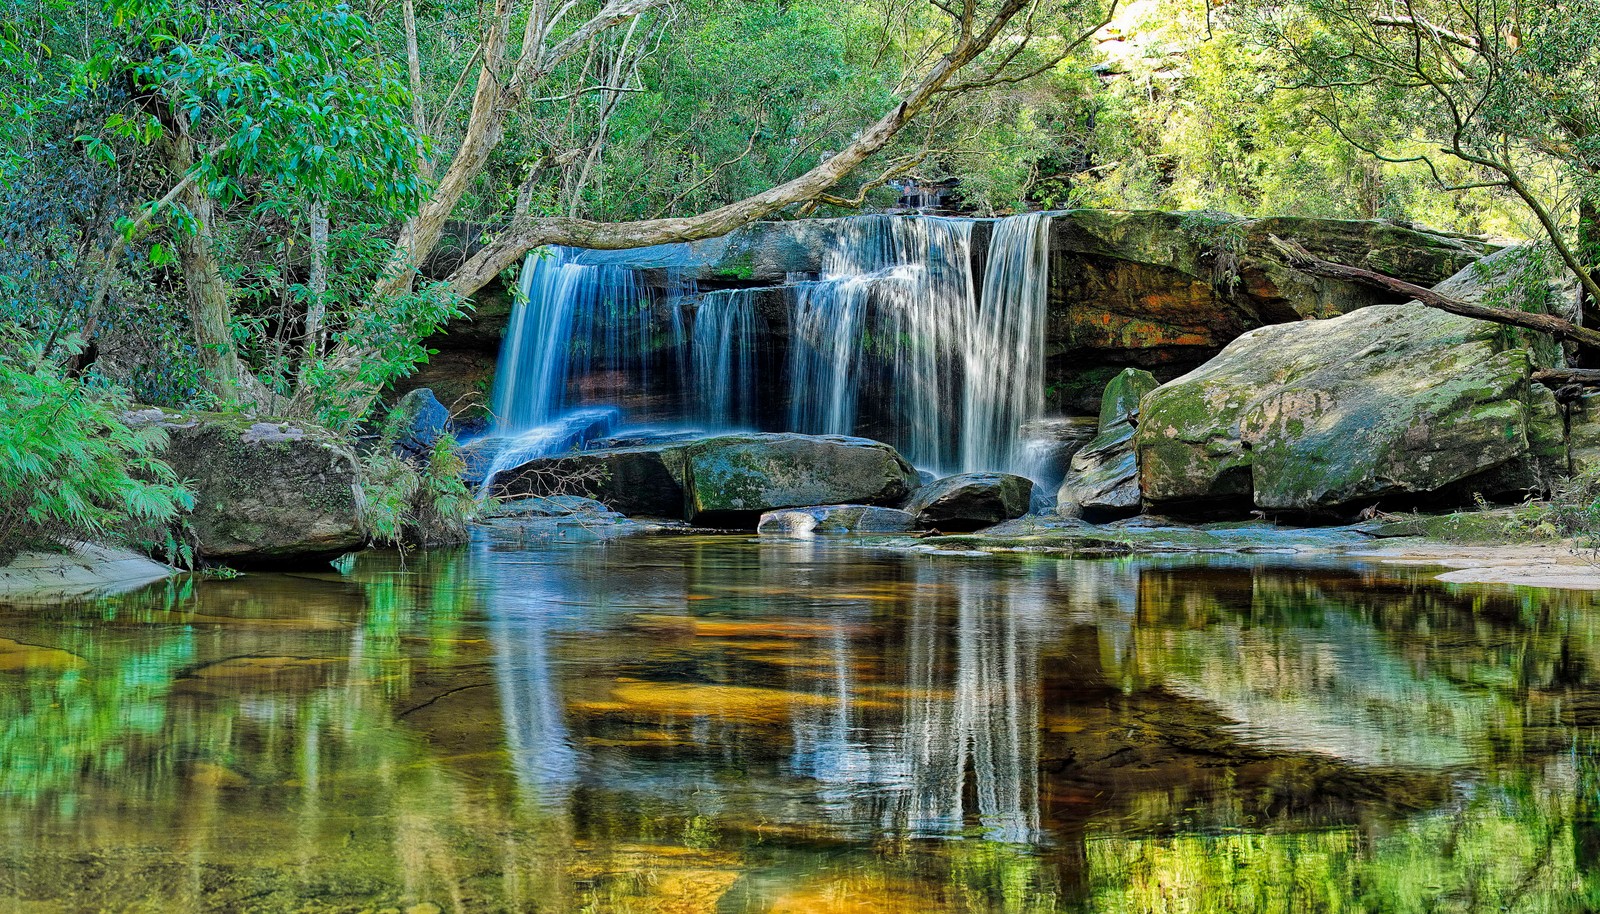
698	725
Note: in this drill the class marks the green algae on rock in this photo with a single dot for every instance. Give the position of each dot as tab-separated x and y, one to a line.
266	490
1103	478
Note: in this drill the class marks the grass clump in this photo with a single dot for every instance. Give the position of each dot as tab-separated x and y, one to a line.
415	500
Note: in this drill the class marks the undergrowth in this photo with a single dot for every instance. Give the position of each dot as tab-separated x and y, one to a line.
415	500
71	470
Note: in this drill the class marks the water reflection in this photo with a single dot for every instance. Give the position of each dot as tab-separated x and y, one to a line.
713	724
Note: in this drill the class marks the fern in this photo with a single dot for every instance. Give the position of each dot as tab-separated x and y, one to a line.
70	469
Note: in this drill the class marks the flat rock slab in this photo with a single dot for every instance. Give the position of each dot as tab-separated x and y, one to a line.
84	570
836	519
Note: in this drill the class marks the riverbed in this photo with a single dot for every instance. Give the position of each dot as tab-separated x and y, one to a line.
716	724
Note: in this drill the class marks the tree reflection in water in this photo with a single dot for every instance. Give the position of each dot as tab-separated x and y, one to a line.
711	724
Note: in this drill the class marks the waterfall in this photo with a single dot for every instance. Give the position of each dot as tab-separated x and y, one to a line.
896	337
897	316
571	320
885	319
1005	347
723	353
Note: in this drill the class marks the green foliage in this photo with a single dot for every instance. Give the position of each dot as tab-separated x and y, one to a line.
70	468
293	93
1572	511
413	501
1223	239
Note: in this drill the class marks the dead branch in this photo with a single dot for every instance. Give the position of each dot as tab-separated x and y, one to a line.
1304	261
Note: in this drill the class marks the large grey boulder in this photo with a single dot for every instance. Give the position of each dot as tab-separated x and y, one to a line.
644	481
1389	402
839	519
971	501
1102	481
738	476
266	490
725	479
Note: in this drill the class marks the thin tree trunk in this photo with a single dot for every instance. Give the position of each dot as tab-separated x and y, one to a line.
419	118
316	309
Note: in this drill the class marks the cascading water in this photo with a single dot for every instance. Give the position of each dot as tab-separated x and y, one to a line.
723	353
885	318
897	338
897	313
571	320
1004	347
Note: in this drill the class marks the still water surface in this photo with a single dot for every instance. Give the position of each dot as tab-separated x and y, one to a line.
715	725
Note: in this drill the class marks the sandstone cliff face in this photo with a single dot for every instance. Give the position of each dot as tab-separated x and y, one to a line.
1157	290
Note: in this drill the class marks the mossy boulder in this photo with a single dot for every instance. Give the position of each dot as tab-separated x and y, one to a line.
736	477
1103	478
725	479
971	501
267	491
1390	403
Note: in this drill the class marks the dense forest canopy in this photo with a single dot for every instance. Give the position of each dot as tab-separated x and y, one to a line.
268	205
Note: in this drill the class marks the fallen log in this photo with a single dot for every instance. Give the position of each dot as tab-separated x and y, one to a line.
1561	377
1304	261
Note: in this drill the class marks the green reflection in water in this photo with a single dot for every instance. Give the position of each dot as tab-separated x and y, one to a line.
714	725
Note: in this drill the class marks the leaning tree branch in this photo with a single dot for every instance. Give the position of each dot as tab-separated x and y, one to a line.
527	233
1304	261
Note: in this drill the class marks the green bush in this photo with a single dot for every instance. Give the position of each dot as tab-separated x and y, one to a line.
70	469
416	502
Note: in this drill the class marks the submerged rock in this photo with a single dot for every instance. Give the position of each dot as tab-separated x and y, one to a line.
836	519
1390	401
970	501
1103	478
266	491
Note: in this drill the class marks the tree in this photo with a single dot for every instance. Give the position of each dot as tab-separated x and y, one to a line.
296	151
1509	90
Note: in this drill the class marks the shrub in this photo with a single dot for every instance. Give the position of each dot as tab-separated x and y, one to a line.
413	501
70	469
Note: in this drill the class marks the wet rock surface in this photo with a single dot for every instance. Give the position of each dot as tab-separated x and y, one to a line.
841	519
724	480
969	501
1392	401
1102	480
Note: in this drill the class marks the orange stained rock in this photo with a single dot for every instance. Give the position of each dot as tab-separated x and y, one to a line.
840	895
741	703
17	657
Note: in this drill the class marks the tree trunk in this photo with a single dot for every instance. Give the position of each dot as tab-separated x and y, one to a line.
316	308
1589	253
419	119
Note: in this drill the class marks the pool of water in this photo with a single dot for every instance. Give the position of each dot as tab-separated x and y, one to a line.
719	725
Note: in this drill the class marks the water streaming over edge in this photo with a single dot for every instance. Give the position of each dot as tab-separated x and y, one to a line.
949	364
